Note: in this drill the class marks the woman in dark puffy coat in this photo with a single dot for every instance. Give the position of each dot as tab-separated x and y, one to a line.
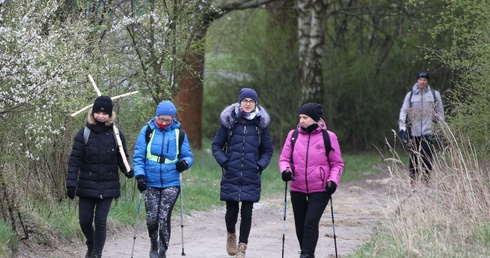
243	148
93	173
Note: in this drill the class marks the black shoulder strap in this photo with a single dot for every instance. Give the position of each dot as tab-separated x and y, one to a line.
181	137
326	141
434	95
149	131
148	134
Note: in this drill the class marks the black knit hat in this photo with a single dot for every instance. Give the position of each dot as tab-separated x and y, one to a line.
423	75
103	104
312	110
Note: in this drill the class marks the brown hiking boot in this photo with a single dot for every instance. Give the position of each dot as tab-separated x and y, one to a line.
242	248
231	247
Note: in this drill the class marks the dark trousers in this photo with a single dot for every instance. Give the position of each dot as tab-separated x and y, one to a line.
231	218
93	210
422	150
308	210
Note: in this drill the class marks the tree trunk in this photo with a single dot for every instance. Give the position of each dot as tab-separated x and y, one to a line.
189	99
311	29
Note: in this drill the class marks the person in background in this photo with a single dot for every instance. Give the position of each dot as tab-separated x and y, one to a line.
161	153
93	173
243	148
421	107
314	175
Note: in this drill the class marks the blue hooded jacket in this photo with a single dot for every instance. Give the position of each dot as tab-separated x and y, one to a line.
164	144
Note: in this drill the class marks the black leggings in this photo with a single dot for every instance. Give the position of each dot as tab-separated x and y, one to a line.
308	210
231	218
86	207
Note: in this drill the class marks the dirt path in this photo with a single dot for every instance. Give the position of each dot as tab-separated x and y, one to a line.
357	208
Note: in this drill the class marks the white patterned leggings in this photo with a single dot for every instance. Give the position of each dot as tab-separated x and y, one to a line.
159	203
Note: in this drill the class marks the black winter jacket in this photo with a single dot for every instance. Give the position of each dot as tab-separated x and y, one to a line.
93	168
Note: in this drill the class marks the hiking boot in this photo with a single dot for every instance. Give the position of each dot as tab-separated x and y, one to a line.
90	252
304	255
242	248
162	253
154	249
231	247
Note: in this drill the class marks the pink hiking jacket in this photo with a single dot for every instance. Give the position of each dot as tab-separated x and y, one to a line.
311	167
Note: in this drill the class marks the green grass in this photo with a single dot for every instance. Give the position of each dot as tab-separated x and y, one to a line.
359	166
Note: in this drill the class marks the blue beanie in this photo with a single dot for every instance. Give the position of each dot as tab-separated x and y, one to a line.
166	108
248	93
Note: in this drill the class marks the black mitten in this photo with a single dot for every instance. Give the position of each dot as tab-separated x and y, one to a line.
141	183
70	191
130	174
404	136
181	165
286	176
331	187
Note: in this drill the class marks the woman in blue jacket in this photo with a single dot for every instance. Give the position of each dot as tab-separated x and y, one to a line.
161	153
243	148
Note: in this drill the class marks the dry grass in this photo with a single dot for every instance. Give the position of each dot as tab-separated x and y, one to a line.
450	218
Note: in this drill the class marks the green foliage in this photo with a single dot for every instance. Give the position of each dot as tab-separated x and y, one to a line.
468	56
243	52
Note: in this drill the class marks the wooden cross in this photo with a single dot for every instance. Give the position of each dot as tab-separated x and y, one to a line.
116	131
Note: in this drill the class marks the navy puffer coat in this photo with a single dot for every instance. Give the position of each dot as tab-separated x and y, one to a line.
247	154
93	168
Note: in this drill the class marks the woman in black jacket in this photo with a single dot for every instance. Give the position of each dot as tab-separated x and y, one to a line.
93	173
243	148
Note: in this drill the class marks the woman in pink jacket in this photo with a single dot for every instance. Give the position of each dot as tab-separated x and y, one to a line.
315	171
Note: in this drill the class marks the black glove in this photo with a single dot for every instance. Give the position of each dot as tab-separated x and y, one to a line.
287	176
404	136
331	187
225	164
181	165
141	183
70	191
130	174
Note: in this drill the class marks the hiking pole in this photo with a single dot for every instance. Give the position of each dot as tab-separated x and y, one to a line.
136	223
333	227
284	219
182	215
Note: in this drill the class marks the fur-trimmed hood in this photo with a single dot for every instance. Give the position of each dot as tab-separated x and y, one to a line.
228	116
91	119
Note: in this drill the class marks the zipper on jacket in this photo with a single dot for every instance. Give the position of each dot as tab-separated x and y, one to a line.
306	164
161	153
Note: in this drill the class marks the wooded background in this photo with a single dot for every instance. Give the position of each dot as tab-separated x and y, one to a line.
357	58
